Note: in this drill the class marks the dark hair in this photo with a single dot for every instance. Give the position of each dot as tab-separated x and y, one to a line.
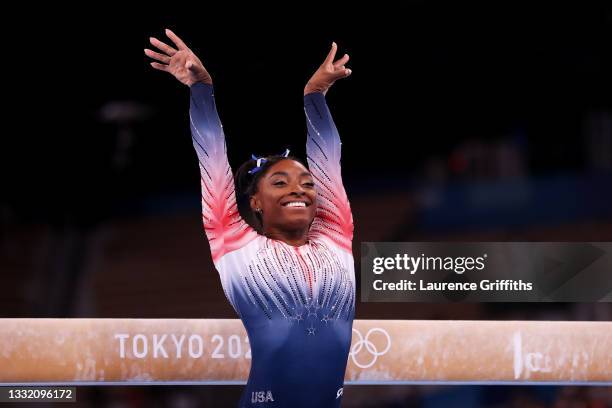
246	186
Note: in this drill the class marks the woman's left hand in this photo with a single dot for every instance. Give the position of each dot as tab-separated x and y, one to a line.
328	73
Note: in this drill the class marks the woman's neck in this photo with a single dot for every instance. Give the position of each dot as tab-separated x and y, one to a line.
293	238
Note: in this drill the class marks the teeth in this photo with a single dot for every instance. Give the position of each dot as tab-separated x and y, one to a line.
296	204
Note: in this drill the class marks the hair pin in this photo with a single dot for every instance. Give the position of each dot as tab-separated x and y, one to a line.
260	161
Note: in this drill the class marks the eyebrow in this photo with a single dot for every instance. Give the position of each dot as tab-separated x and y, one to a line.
284	173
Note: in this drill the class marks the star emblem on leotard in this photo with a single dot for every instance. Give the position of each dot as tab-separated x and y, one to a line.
311	312
311	330
326	318
299	317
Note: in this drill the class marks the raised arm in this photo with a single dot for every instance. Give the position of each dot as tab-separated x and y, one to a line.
333	218
225	229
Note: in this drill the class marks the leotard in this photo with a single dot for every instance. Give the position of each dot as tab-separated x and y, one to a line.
297	304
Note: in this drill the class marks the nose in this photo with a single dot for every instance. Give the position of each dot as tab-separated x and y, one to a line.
297	188
298	191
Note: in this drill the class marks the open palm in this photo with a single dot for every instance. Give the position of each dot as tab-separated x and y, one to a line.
181	62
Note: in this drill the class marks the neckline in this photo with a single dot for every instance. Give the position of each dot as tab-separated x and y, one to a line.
308	241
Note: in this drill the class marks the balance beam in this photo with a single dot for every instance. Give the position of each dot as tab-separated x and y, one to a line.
216	351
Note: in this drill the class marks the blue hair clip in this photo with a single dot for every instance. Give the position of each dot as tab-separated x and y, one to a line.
262	160
260	163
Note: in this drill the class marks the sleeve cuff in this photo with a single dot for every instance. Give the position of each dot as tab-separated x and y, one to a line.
315	97
200	89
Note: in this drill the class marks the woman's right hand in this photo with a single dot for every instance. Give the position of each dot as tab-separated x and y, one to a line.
182	63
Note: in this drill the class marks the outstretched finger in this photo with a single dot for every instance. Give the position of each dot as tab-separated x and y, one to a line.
159	66
176	40
332	54
342	73
342	61
162	46
157	56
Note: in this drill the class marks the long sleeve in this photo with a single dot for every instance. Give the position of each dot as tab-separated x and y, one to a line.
225	229
333	218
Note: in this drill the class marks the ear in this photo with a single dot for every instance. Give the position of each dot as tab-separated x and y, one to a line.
254	202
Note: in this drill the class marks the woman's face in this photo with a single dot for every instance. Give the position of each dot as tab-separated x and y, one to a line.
287	196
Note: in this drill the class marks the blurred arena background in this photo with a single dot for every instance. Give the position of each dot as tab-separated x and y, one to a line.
461	122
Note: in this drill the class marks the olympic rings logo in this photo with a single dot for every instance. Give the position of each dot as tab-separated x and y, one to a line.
358	345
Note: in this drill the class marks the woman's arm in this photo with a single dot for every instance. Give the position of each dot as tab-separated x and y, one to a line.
334	218
225	229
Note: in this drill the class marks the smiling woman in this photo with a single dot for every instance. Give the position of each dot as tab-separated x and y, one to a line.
281	239
277	198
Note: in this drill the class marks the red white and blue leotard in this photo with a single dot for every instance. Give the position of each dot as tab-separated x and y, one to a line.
296	303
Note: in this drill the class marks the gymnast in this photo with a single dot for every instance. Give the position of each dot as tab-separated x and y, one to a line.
280	235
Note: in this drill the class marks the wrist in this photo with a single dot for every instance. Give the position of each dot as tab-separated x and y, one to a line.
312	88
201	81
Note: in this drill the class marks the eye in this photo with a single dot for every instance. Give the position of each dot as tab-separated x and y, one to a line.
279	183
309	184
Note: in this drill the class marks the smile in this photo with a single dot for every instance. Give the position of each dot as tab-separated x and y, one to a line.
298	204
